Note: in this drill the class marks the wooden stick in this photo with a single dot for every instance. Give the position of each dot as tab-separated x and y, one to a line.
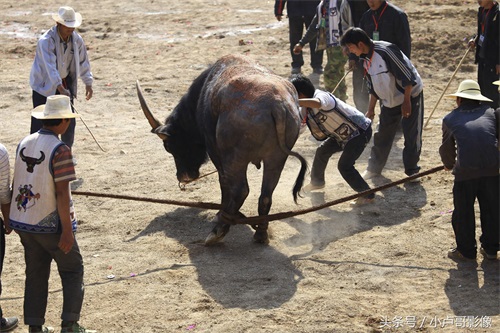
449	82
342	79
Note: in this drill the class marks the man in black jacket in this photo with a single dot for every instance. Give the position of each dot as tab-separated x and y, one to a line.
384	21
470	149
300	14
487	50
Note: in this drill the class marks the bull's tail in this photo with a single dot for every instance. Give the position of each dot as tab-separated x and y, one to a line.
299	182
280	118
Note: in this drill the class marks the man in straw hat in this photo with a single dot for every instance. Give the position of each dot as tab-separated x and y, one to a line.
61	57
43	215
470	150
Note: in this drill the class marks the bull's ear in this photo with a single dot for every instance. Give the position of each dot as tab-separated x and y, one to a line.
162	132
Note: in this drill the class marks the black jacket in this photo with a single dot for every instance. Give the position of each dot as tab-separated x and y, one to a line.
489	51
393	26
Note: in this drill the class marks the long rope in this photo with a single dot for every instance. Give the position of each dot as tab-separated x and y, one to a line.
267	218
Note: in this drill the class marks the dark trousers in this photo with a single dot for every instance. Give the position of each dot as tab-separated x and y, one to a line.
486	75
2	256
389	120
361	95
296	28
39	251
350	153
486	190
67	137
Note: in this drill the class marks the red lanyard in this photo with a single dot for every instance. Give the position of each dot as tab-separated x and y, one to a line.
485	18
368	62
377	21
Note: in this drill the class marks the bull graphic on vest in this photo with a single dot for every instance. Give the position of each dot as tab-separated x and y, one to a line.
31	161
24	197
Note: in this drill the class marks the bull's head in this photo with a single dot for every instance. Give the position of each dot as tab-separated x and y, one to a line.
31	161
188	154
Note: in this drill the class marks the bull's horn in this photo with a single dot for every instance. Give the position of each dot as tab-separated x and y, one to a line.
155	123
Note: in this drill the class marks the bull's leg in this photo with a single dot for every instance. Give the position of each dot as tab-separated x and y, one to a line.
234	187
272	172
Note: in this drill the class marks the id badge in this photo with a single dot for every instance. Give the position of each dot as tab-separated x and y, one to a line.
376	35
480	40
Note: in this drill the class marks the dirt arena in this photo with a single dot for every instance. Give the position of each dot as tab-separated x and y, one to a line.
382	268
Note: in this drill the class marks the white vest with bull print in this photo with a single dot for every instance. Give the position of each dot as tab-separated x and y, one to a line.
34	206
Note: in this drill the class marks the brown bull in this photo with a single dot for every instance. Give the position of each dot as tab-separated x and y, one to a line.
237	113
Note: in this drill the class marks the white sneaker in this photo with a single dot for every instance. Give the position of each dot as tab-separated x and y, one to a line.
369	175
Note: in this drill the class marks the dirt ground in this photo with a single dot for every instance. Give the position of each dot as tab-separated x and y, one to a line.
382	268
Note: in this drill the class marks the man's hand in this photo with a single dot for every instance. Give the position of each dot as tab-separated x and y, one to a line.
66	241
88	92
297	49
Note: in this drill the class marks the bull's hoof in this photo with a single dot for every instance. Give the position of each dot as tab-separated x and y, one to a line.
217	234
261	237
213	238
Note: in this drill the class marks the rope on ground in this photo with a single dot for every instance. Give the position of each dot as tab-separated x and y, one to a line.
267	218
279	216
204	205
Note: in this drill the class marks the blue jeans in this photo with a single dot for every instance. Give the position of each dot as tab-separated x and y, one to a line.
39	251
350	153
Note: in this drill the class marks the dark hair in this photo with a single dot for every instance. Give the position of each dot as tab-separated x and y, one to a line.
303	85
354	36
51	122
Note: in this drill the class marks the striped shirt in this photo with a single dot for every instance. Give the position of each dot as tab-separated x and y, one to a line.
5	192
62	165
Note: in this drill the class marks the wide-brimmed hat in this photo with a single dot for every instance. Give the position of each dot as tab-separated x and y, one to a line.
470	89
56	107
68	17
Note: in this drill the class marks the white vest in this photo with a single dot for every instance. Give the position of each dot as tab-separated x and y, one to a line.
34	205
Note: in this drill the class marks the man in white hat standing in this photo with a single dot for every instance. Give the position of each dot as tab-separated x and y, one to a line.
470	150
60	59
43	215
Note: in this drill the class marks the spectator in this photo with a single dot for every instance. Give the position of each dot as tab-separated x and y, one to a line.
61	57
351	12
487	49
384	21
327	20
394	81
42	173
7	324
470	149
300	14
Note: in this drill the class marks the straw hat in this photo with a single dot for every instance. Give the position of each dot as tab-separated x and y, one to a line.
469	89
57	107
68	17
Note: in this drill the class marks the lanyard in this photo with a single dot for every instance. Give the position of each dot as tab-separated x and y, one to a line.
368	62
485	18
377	21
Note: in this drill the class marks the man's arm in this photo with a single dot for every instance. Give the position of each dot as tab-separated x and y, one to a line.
63	201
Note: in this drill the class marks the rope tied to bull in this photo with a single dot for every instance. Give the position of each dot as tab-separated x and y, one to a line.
255	220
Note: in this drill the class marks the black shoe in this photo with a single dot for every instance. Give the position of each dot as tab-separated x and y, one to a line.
8	324
456	256
489	256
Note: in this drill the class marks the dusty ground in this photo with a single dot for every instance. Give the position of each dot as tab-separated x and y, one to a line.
335	270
